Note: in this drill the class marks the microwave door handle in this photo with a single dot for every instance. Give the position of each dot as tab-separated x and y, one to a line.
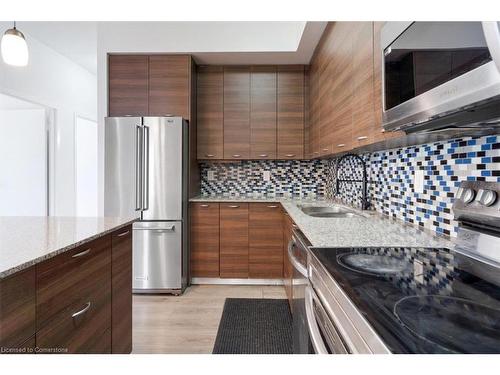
492	35
312	324
138	168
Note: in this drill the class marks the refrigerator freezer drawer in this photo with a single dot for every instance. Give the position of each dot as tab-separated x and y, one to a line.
157	256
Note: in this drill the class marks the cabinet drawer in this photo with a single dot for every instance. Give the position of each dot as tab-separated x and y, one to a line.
79	328
72	277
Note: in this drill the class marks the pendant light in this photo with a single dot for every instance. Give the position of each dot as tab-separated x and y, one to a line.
14	47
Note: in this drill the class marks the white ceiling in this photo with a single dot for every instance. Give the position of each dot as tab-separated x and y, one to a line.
209	42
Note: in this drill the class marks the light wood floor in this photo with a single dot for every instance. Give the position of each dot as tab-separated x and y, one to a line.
188	323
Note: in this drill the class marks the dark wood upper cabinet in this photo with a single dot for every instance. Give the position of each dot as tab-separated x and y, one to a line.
236	112
290	112
17	308
128	85
204	248
234	240
169	85
263	112
210	112
121	291
265	259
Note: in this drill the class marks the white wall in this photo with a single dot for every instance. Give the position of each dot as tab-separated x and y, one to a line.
54	81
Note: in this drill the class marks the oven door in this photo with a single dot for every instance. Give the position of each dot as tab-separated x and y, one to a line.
323	334
434	69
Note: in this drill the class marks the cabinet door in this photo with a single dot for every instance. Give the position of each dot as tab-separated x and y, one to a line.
362	101
308	153
234	240
204	240
290	112
210	112
128	85
236	112
263	112
17	308
169	85
121	293
266	241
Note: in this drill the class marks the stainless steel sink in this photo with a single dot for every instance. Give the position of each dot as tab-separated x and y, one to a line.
327	211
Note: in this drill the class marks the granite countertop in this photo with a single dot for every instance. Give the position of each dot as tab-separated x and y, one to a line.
370	229
25	241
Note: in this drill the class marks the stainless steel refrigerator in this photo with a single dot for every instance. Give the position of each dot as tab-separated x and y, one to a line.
146	174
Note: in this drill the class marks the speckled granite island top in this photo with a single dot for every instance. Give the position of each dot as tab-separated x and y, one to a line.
25	241
372	229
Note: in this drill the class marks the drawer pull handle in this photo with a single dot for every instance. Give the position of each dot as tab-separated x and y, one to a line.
325	149
204	205
82	311
272	206
234	206
209	155
236	155
362	138
341	145
294	226
81	253
290	155
263	155
123	234
169	229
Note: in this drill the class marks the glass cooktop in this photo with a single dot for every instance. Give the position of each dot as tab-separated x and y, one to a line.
421	300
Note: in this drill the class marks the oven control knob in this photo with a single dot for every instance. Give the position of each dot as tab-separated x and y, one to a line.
468	195
487	197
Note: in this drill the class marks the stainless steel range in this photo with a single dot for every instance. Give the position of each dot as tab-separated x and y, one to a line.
413	300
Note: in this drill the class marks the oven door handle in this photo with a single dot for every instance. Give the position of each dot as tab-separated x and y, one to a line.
312	324
295	263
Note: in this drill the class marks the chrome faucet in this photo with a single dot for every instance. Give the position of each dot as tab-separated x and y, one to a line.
365	203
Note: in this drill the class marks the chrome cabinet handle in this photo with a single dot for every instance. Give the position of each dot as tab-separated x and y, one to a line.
295	263
234	206
341	145
290	155
312	324
209	155
263	155
123	234
82	311
81	253
272	206
362	138
204	205
236	155
325	149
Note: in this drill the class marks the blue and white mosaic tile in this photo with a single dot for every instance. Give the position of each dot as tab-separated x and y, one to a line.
390	173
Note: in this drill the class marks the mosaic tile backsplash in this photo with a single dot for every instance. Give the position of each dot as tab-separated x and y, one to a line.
391	173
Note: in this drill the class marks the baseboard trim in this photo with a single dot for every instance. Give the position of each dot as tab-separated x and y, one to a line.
219	281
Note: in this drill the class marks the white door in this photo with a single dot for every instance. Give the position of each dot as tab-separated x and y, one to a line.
86	167
23	162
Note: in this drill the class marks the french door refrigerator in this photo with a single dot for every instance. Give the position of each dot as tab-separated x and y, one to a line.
146	175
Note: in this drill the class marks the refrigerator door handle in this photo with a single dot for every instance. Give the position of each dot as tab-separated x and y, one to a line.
138	168
145	187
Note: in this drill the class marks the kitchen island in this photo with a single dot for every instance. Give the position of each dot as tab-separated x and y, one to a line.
65	285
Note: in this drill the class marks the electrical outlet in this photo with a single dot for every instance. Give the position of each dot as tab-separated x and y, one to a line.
418	271
266	176
211	176
418	181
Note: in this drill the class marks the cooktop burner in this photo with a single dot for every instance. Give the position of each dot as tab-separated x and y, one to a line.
421	300
373	264
466	325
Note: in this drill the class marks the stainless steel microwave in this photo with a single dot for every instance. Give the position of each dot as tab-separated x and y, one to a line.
440	75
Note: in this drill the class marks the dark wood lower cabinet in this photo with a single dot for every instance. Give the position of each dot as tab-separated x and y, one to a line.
17	309
204	245
234	240
266	241
121	291
77	302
